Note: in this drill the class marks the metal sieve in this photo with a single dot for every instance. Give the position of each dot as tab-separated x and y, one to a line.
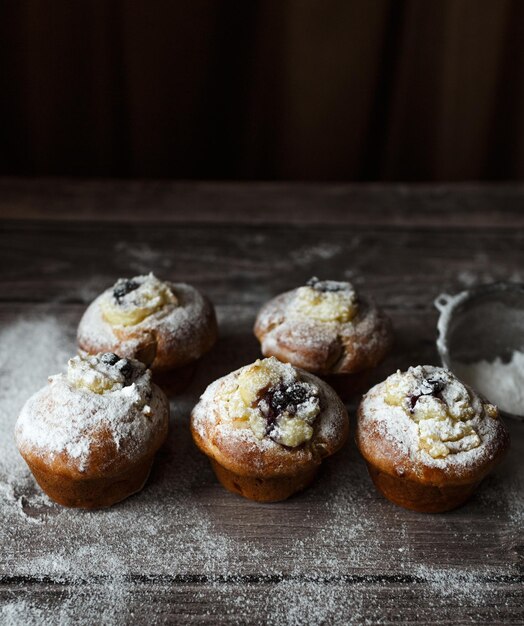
481	323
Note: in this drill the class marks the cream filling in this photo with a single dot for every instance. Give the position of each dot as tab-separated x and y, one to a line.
101	373
246	404
145	295
440	405
325	306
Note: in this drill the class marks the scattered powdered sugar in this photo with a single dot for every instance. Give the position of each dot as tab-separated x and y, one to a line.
30	350
62	417
186	323
185	549
141	257
501	383
212	413
325	346
469	277
400	428
310	254
447	582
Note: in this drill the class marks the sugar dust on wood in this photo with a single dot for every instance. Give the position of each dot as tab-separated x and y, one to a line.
183	525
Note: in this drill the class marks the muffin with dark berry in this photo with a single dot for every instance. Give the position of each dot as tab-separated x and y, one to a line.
326	328
166	325
428	439
267	427
90	436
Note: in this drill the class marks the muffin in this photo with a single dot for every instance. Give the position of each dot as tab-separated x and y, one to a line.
328	329
428	439
267	428
90	436
167	326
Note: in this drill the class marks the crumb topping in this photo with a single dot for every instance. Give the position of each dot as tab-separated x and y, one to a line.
325	301
270	399
441	407
131	300
103	372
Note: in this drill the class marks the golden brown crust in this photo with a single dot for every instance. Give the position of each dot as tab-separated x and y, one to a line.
424	498
324	347
407	475
164	342
264	490
109	471
387	456
240	452
92	493
250	460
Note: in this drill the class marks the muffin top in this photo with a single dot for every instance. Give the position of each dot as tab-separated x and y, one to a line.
142	303
131	300
270	408
139	311
324	327
427	418
102	403
324	301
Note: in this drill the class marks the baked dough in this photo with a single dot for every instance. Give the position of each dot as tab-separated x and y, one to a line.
90	435
428	439
324	327
267	427
165	325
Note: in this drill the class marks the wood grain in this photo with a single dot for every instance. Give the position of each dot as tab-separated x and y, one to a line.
459	205
184	550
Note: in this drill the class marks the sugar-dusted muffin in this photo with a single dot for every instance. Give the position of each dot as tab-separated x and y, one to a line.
90	435
267	427
326	328
428	439
165	325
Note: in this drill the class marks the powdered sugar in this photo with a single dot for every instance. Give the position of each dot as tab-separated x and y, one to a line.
212	412
131	300
326	301
31	350
501	382
403	430
62	417
184	549
323	346
185	325
97	330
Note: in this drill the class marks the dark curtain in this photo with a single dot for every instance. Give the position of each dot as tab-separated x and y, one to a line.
303	89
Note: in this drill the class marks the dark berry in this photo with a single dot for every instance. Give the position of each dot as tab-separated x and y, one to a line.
109	358
413	399
271	422
428	387
325	285
124	286
284	398
278	400
297	393
126	367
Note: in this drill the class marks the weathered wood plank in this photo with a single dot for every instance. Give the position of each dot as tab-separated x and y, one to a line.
184	549
468	205
401	267
286	601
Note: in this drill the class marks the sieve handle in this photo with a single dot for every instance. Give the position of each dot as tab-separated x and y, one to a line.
442	301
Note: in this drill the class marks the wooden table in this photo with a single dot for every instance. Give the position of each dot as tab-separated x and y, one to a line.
184	550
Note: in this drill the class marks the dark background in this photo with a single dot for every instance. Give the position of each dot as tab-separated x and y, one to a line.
306	89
